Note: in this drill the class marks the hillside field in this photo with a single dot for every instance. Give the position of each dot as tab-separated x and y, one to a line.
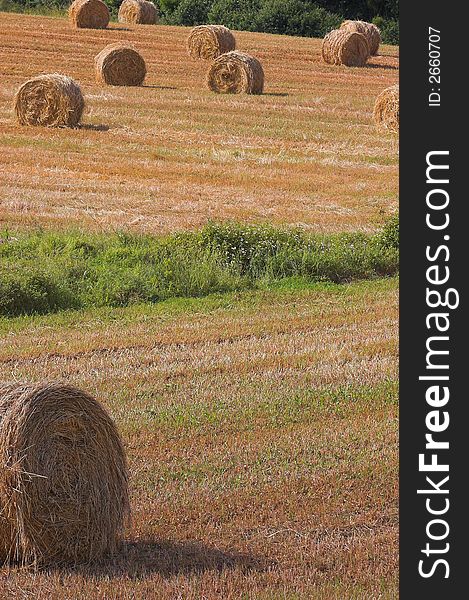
261	425
172	155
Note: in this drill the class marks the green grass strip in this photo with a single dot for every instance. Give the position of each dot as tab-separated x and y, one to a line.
44	272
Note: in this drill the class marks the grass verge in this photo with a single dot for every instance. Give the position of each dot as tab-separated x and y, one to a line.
45	272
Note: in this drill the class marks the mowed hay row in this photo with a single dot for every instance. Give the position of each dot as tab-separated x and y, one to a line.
207	42
341	47
138	12
386	109
49	100
236	73
63	476
369	30
120	64
286	118
89	14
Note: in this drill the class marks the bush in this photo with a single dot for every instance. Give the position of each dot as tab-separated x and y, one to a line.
28	289
243	245
265	252
390	32
289	17
364	10
40	7
236	14
389	9
389	236
113	6
45	272
295	17
190	12
168	6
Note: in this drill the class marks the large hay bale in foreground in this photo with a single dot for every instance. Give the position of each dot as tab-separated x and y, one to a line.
63	476
369	30
386	110
236	73
120	64
342	47
207	42
89	14
138	12
49	100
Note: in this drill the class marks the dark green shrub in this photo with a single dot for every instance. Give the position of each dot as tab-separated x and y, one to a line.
168	6
389	9
263	251
295	17
389	236
26	289
39	7
190	12
236	14
389	32
241	245
113	6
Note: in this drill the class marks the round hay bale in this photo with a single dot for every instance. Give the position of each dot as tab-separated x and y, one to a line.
138	12
386	110
369	30
342	47
89	14
207	42
63	476
120	64
236	73
49	100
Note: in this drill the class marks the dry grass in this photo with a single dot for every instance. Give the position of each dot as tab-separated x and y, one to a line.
63	482
261	431
173	155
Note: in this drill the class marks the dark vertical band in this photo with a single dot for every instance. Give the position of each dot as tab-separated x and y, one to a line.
434	440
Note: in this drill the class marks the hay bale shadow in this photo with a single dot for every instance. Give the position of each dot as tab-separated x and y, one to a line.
90	127
167	558
117	28
159	87
371	65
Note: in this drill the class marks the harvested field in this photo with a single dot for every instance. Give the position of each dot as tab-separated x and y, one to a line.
261	430
260	423
171	155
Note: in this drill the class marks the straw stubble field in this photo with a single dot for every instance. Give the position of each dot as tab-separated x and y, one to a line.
172	155
260	426
261	434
